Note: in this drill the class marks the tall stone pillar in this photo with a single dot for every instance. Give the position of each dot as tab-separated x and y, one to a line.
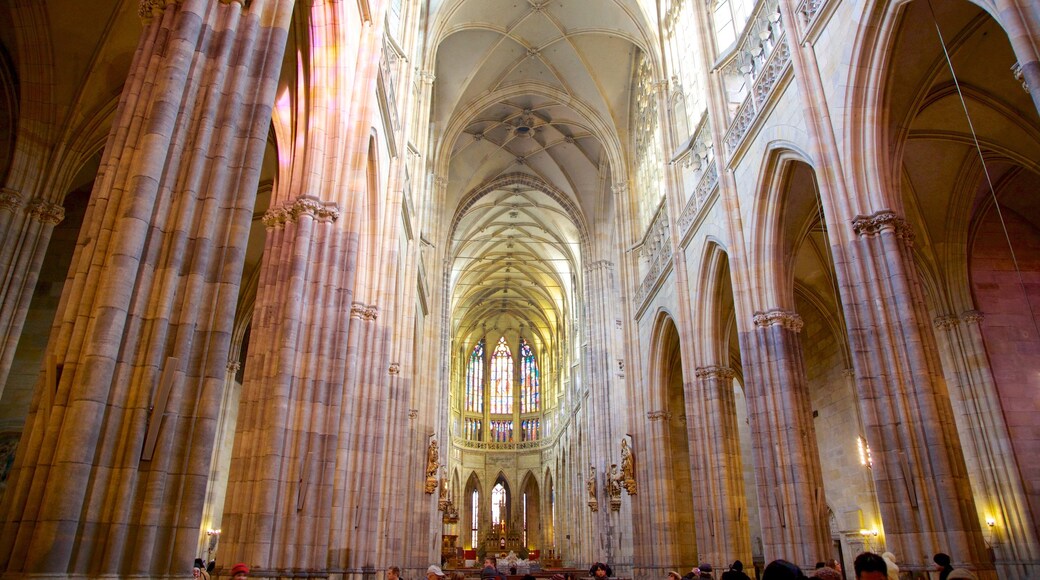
919	472
999	495
791	500
110	476
720	511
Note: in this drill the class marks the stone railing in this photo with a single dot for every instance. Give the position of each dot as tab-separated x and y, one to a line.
500	446
656	250
708	181
388	59
807	10
751	71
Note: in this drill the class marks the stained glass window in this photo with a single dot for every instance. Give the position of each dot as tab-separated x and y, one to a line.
502	431
529	429
529	390
474	430
475	379
498	505
502	379
474	509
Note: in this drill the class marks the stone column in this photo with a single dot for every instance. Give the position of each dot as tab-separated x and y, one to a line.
919	472
999	494
719	500
791	501
112	468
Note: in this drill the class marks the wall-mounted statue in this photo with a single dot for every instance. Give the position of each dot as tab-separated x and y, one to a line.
614	487
442	503
628	468
590	484
432	465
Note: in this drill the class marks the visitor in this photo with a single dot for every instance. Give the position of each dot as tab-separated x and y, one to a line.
673	575
782	570
834	565
393	573
962	574
735	572
890	562
198	570
434	572
827	573
870	566
705	569
942	561
693	574
601	570
490	571
239	571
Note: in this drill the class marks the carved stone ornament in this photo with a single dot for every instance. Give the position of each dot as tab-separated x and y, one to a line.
10	200
945	322
972	316
614	487
46	212
432	465
444	500
881	221
590	486
628	470
394	369
413	413
787	319
658	415
715	372
305	205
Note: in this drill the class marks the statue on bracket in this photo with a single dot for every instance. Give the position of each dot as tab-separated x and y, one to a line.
628	471
442	503
614	487
590	484
432	465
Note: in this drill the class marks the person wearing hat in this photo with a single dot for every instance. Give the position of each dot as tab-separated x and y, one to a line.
673	575
705	569
239	571
198	570
434	572
943	562
735	572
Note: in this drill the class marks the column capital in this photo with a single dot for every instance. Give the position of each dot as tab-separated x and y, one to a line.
972	316
394	369
879	221
44	211
10	199
148	9
945	322
323	211
619	188
233	366
427	77
658	415
714	372
777	316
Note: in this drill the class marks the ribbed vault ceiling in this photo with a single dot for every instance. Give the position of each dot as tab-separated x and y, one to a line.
541	89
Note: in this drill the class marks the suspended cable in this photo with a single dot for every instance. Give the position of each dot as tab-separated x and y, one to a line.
985	169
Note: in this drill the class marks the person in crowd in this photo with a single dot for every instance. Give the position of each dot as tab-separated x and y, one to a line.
827	573
706	570
870	566
600	570
490	571
735	572
393	573
962	574
434	572
782	570
834	565
890	561
942	561
693	574
198	570
820	564
673	575
239	571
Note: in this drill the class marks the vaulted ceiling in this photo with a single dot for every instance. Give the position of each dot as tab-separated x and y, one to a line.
529	118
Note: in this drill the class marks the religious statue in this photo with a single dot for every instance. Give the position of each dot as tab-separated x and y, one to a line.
614	487
628	471
590	484
442	503
432	465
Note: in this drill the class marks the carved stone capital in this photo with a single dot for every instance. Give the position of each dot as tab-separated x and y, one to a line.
371	312
394	369
10	200
972	316
848	373
945	322
305	205
44	211
148	9
357	310
658	415
1016	71
787	319
600	265
619	189
275	217
413	413
427	77
715	372
233	366
884	220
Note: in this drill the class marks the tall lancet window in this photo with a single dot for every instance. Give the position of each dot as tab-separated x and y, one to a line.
529	390
475	379
475	511
502	379
498	505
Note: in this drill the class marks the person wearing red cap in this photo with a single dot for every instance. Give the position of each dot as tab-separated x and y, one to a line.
239	571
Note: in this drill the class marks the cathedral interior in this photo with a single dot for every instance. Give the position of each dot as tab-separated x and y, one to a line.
330	286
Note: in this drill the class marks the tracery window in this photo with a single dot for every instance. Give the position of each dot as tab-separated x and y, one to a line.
501	431
474	429
649	188
502	379
498	505
475	379
475	511
529	429
682	50
729	18
529	389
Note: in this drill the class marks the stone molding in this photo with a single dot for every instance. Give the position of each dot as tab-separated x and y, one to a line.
322	211
658	415
777	316
600	265
10	200
44	211
972	316
880	221
714	372
945	322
